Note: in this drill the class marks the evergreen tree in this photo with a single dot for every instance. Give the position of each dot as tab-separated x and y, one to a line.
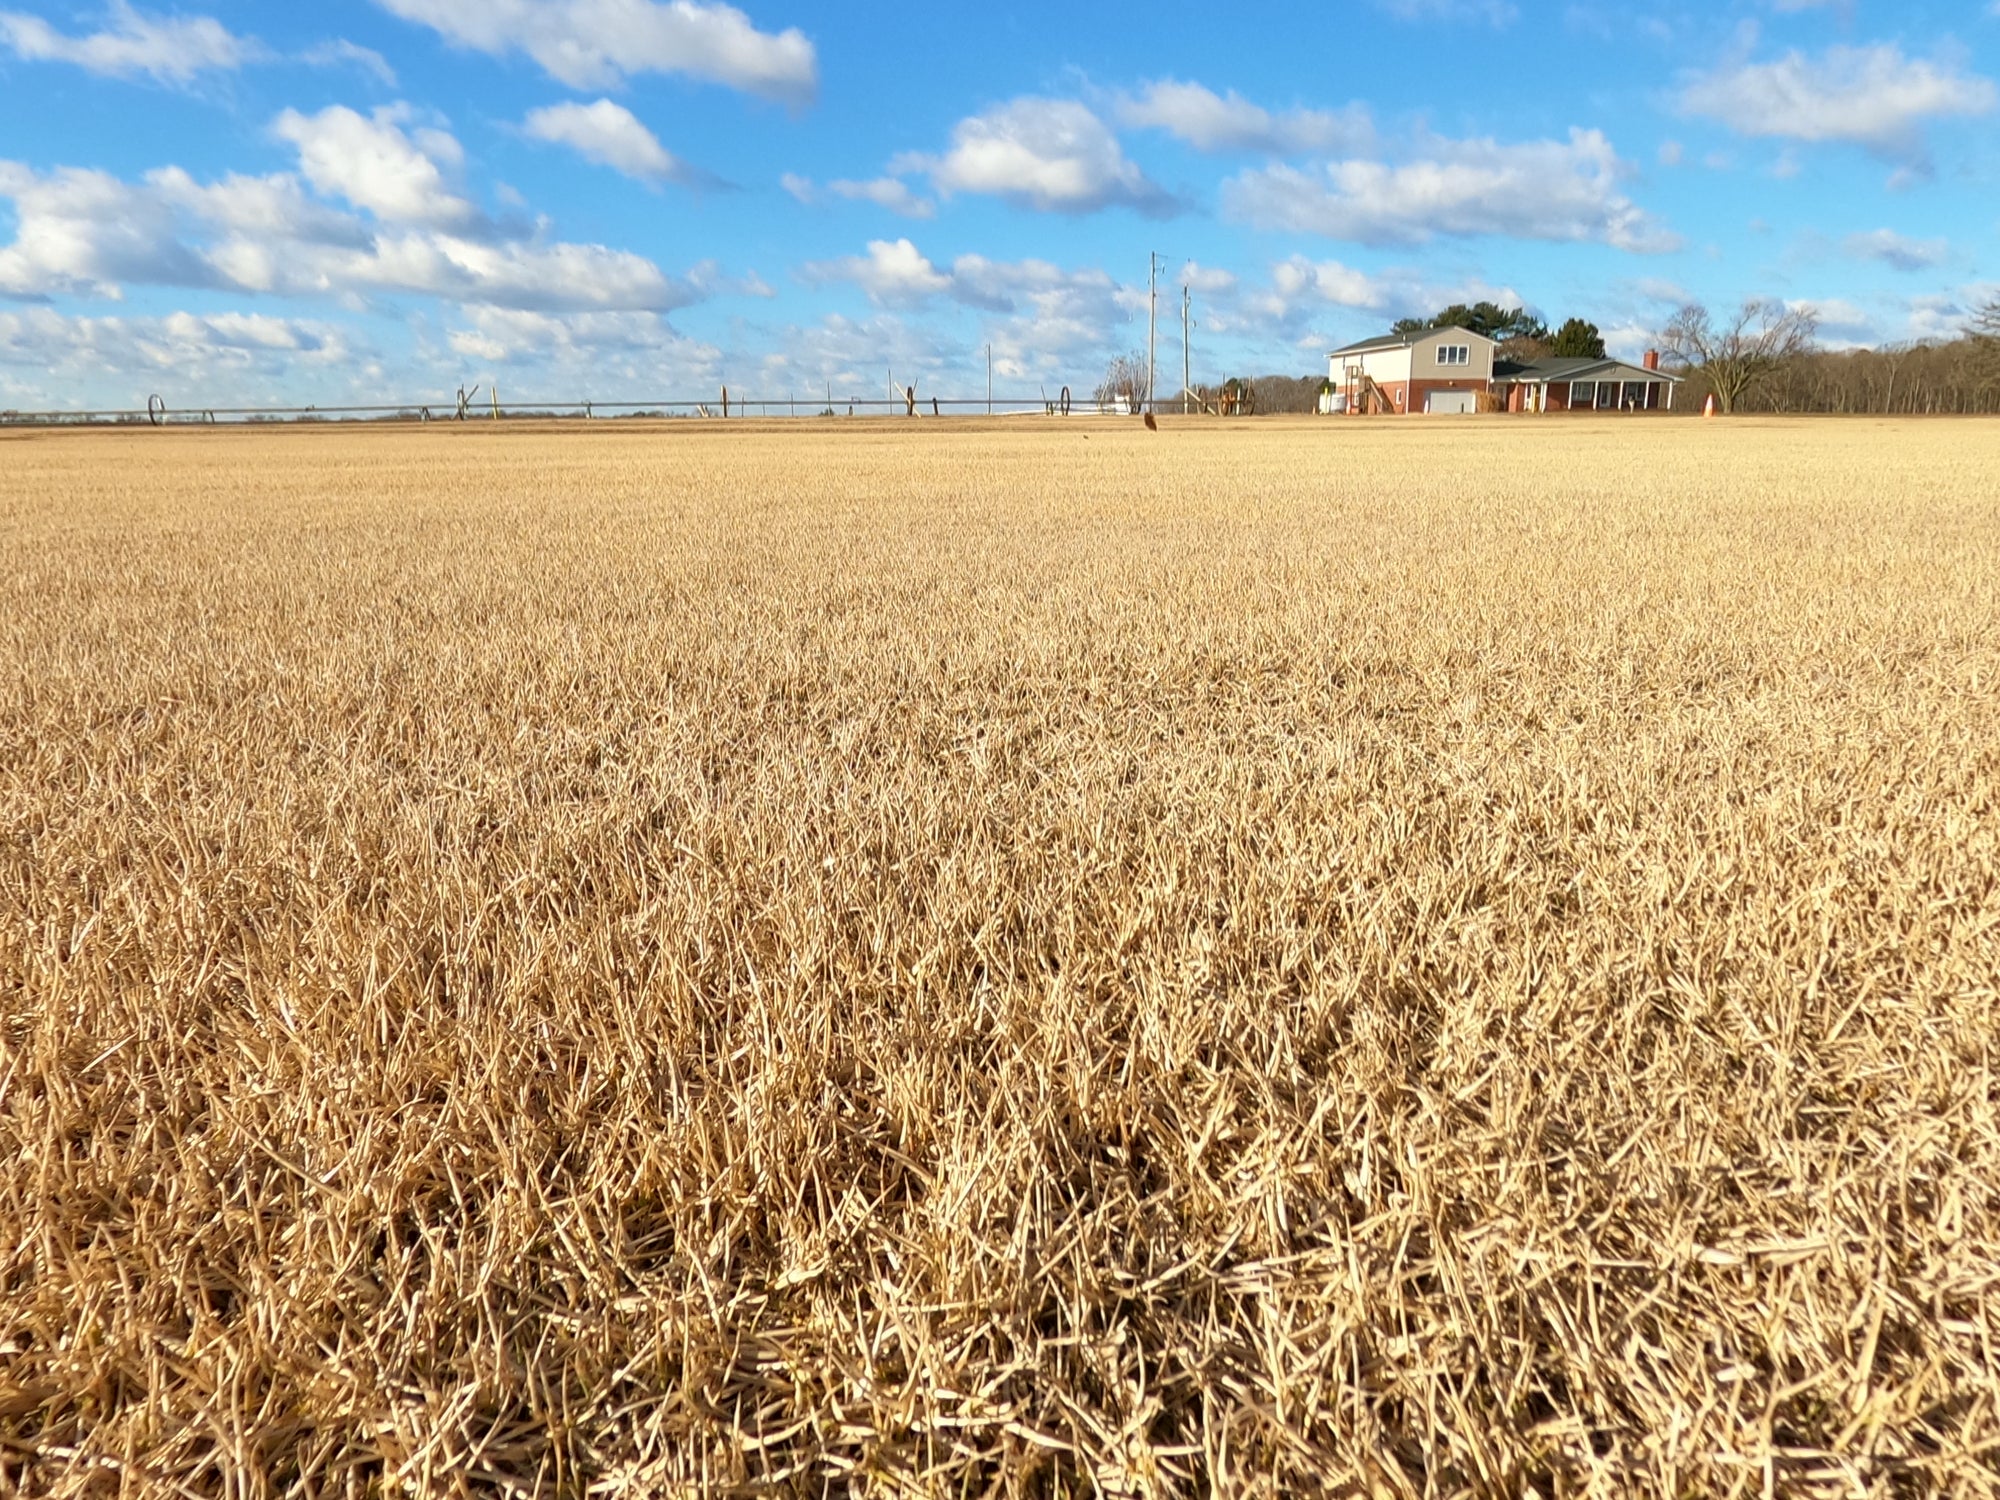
1577	339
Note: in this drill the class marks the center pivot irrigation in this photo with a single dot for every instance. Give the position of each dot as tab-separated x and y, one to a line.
733	404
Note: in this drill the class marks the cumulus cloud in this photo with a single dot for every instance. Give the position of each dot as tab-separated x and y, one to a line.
1841	324
375	163
610	135
1326	283
167	49
1538	190
896	273
1942	316
1041	313
531	277
891	193
1315	304
347	54
1897	250
596	44
272	208
1870	96
606	351
1213	122
853	356
892	273
89	233
1207	280
1055	155
225	356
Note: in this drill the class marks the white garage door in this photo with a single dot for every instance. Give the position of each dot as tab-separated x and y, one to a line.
1450	403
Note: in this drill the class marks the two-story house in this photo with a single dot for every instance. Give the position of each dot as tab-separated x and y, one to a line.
1434	370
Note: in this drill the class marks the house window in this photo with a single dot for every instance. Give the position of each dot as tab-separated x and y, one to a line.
1582	394
1454	354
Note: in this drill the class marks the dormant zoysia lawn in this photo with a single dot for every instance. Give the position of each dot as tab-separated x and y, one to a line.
1020	959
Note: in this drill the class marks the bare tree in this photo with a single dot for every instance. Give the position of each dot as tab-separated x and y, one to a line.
1743	352
1984	331
1125	376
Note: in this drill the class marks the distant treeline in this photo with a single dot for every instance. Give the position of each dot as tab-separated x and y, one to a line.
1958	378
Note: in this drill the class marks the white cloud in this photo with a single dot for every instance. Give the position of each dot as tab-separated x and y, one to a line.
609	352
374	163
539	278
168	49
1842	324
1209	281
218	358
892	273
1657	289
595	44
1313	305
855	356
1869	96
891	193
266	208
1041	313
1041	289
1050	154
885	192
1327	282
610	135
344	54
88	233
1897	250
1536	190
81	232
1942	316
1209	121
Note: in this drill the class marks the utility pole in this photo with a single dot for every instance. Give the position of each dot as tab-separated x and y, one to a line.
989	380
1187	358
1152	318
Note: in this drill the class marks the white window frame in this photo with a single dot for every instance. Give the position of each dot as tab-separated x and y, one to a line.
1451	355
1589	385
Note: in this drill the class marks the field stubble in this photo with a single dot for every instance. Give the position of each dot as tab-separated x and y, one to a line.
1362	959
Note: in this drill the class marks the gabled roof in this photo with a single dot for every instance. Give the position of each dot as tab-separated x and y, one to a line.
1369	346
1546	371
1405	340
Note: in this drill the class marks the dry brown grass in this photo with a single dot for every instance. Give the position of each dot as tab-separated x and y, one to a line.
1369	959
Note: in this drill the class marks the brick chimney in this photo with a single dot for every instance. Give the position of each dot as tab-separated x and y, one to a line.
1652	359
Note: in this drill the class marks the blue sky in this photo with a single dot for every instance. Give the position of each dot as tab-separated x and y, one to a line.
229	202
